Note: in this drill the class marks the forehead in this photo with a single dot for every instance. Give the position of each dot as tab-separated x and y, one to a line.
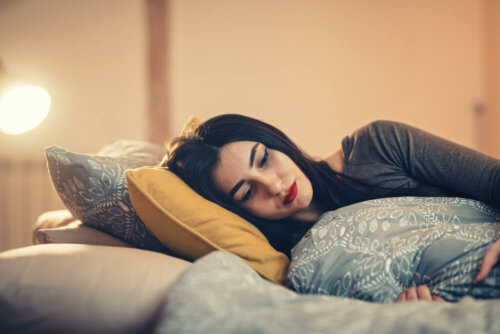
233	163
236	150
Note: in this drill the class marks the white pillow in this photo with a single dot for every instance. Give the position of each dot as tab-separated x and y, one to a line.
69	288
77	233
52	219
60	227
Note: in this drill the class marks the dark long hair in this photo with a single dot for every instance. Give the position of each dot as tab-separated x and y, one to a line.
194	158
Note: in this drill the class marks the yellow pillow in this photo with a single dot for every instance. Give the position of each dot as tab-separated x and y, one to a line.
192	226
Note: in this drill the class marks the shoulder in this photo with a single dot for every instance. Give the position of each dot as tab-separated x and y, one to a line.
374	134
385	125
379	137
383	130
380	141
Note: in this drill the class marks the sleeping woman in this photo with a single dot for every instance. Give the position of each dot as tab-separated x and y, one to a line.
393	214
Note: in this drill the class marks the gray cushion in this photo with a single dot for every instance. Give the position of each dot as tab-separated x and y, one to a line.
94	189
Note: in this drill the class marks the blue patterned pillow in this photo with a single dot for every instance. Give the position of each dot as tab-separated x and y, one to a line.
374	249
94	189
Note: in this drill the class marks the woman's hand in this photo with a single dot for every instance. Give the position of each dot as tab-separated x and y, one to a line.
420	292
490	259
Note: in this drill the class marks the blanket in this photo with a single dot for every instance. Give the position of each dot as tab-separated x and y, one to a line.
221	294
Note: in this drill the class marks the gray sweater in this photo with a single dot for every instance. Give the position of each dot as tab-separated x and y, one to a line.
393	155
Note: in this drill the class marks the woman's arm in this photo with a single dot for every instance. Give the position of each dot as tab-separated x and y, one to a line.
435	161
490	259
420	292
401	156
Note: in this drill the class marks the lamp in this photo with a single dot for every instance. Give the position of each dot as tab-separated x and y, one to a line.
22	106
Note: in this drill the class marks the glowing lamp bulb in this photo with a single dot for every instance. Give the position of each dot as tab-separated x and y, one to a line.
23	108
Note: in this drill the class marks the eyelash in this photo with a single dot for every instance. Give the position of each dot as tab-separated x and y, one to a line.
264	158
262	163
248	194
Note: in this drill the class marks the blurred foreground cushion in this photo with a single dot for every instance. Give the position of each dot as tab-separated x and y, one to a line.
68	288
192	226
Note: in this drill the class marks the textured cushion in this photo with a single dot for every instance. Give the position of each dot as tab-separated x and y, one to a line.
94	189
68	288
192	226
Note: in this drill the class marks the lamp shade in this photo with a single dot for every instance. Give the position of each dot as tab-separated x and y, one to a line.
22	108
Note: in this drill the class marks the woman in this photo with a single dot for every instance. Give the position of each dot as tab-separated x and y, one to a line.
256	171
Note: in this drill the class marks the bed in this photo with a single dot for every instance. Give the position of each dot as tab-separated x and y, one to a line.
89	288
136	252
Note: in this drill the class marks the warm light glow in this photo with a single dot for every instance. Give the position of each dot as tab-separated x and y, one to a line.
23	108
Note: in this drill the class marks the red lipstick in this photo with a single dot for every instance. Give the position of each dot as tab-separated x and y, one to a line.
291	194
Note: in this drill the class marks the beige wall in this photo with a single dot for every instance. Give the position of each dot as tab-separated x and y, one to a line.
491	75
319	69
91	56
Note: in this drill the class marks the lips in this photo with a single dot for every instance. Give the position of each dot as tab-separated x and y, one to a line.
291	194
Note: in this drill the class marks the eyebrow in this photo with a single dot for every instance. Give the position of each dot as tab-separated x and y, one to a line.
252	154
240	183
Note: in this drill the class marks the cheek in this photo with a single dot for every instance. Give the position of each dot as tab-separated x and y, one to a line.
307	192
266	210
263	207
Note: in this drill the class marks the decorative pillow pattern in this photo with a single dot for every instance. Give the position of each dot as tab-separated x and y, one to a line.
374	249
94	189
191	226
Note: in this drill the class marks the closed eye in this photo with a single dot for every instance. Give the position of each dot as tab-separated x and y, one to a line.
262	163
248	194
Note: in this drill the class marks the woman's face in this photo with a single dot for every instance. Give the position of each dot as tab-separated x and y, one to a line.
263	181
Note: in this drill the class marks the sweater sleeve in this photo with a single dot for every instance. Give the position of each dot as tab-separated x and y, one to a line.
425	159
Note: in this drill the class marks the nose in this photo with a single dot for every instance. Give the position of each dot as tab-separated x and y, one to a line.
271	183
